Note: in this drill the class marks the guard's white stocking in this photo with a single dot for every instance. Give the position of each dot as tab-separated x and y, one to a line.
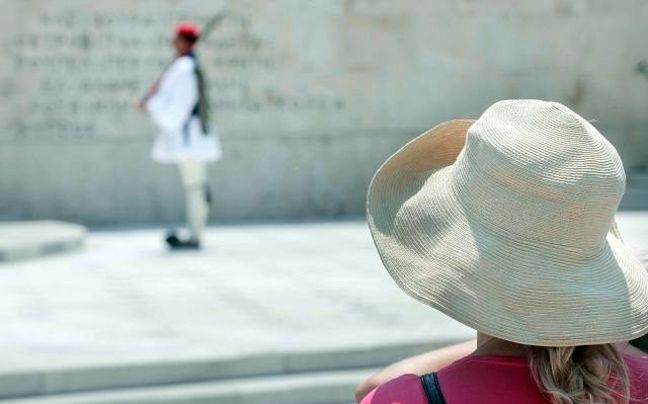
194	181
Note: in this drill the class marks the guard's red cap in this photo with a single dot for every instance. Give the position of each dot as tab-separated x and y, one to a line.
187	30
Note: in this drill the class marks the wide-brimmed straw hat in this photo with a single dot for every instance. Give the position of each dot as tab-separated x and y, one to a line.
505	224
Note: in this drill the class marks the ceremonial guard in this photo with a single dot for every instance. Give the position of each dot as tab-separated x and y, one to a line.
178	106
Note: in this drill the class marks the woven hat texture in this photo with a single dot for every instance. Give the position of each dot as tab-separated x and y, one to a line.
504	224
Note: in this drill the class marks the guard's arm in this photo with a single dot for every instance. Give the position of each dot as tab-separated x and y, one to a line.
172	105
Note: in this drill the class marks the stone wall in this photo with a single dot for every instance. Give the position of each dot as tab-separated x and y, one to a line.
310	96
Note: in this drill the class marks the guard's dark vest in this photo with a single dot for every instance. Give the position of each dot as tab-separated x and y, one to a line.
201	110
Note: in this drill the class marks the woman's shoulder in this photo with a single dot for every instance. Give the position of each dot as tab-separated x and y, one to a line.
638	367
404	389
638	372
409	389
637	363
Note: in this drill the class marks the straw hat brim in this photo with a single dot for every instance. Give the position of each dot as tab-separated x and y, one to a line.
523	291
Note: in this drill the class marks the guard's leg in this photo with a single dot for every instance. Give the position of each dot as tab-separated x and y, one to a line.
194	181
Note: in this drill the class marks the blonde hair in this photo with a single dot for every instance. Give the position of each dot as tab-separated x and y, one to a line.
590	374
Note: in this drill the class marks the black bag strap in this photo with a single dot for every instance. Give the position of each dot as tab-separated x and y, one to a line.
432	389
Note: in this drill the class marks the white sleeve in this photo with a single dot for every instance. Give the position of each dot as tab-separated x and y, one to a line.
172	105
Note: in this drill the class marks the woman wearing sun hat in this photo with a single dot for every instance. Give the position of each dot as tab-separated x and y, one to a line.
437	359
506	224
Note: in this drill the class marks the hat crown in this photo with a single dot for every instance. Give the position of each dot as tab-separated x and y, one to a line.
504	225
537	171
187	29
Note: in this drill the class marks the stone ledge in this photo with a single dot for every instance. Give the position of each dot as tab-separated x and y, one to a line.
310	388
21	240
84	380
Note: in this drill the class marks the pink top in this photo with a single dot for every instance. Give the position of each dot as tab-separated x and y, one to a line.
489	379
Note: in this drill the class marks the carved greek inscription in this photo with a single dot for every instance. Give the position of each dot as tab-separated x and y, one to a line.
79	73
